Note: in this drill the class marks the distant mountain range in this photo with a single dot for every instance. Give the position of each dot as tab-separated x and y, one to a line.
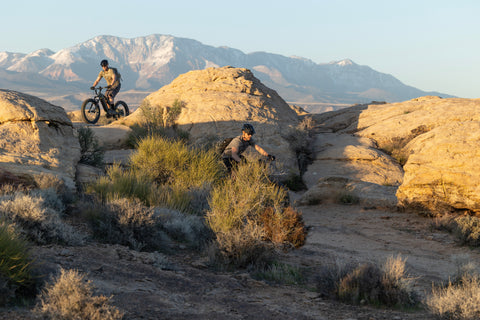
148	63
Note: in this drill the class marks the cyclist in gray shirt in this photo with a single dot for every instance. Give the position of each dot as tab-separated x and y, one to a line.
233	152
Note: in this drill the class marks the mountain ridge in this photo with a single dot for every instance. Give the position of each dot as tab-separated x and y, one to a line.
147	63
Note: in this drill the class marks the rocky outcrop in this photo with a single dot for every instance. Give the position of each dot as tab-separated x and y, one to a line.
217	101
436	140
349	168
36	137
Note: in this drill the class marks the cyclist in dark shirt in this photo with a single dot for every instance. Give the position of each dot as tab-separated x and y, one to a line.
233	152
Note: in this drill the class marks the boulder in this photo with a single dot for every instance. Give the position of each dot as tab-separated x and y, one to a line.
348	166
36	137
442	170
436	140
218	101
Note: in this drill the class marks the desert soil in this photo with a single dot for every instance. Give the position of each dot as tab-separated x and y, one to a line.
181	286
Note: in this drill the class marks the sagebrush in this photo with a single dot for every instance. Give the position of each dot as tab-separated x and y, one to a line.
70	297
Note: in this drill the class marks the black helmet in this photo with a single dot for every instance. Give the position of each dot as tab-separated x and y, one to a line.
104	63
248	129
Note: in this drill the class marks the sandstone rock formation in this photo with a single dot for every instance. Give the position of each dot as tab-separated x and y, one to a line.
436	140
36	137
219	100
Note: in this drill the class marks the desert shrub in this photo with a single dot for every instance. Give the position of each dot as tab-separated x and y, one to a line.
347	198
90	150
158	121
69	296
120	183
244	198
132	184
237	207
241	248
466	228
367	283
285	227
459	300
173	162
301	142
184	175
38	217
129	222
15	264
281	273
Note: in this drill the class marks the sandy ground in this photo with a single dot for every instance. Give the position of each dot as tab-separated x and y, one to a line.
181	286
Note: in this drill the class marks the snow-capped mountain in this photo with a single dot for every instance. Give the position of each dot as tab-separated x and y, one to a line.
148	63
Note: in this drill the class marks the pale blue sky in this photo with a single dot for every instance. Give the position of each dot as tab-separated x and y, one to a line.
428	44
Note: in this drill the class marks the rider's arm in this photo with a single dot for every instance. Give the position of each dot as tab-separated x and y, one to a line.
260	150
97	81
114	79
235	155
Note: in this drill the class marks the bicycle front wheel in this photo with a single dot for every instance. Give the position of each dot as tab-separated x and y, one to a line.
90	111
122	109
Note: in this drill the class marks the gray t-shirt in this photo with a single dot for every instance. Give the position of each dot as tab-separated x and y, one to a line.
238	143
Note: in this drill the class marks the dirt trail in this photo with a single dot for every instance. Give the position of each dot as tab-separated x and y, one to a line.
354	234
180	286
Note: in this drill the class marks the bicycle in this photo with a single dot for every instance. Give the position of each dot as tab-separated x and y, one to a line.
91	107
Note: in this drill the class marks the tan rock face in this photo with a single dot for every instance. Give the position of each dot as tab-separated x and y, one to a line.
443	168
350	166
436	139
218	101
36	137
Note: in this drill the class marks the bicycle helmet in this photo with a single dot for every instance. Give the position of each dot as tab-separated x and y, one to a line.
248	129
104	63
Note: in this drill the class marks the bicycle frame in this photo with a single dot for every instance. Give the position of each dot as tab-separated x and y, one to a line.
100	97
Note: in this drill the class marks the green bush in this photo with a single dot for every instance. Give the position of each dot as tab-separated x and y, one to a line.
120	183
70	297
164	173
244	198
237	215
173	162
15	263
158	121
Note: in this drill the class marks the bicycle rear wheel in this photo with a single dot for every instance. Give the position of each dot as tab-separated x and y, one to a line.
90	111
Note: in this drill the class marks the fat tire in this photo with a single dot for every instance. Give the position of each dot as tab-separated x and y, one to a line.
89	107
122	109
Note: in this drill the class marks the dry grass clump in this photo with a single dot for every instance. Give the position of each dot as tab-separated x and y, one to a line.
369	284
242	248
281	273
38	216
460	297
458	300
466	227
129	222
247	214
70	297
16	275
285	227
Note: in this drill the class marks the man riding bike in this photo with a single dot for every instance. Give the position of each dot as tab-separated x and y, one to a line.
232	154
112	77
